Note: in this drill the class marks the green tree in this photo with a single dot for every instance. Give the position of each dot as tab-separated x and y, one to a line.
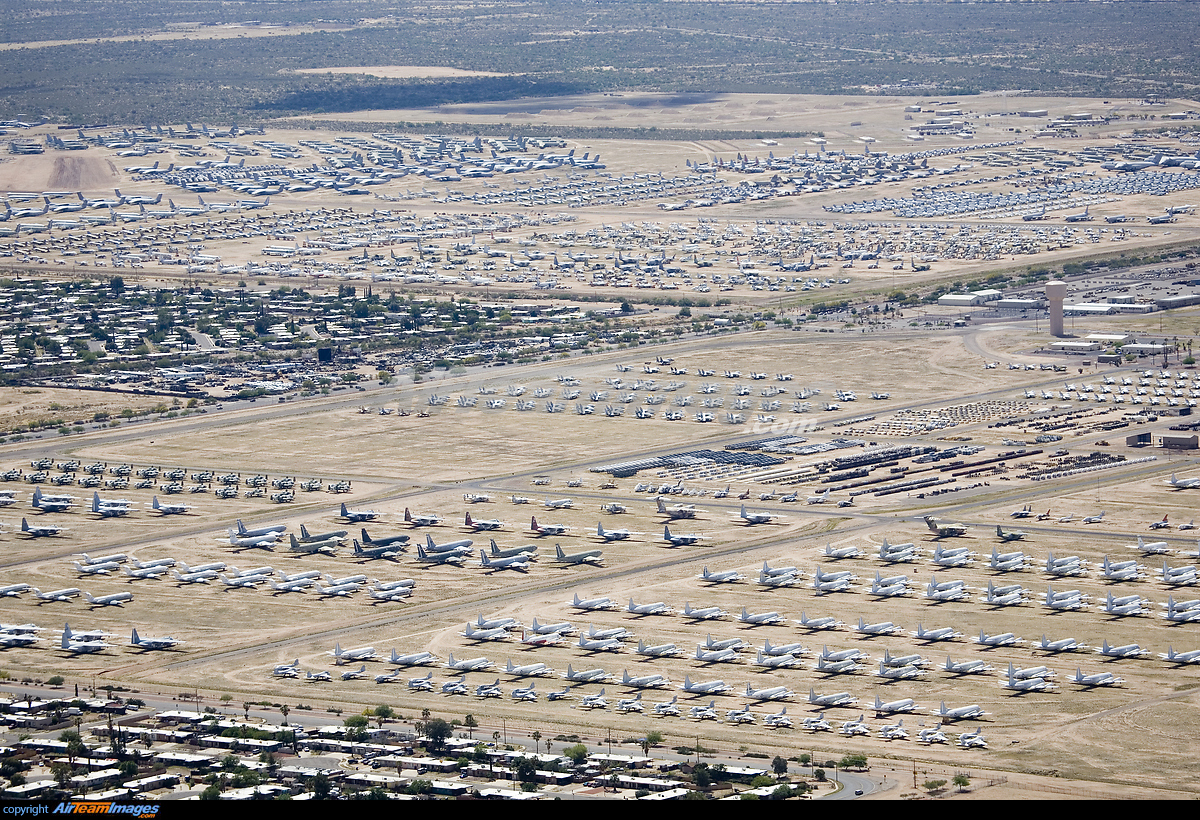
577	753
213	792
702	775
320	786
779	765
55	680
356	727
438	731
383	712
933	785
961	781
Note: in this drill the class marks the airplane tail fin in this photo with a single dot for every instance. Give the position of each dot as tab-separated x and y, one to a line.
134	637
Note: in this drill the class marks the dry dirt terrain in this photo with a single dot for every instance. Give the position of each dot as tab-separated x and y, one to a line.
235	636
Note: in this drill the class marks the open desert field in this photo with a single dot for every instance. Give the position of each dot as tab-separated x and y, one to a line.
1111	734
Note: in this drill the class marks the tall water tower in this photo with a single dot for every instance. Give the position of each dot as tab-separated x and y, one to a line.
1056	292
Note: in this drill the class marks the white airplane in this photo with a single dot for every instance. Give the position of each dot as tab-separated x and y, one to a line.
1025	684
712	687
779	720
586	676
563	628
153	643
14	590
819	723
704	614
594	557
894	731
497	634
645	681
933	735
480	526
1010	595
776	660
600	644
1028	672
525	693
818	499
468	665
1153	548
116	599
667	708
473	498
633	704
704	712
854	727
841	552
972	740
1127	651
881	628
613	508
945	633
659	651
972	712
1094	519
723	577
760	619
756	518
898	672
414	659
424	684
966	667
362	653
58	595
1125	605
1121	570
596	701
592	604
1171	656
611	535
489	690
769	693
558	503
263	541
528	670
328	546
455	687
743	715
169	509
657	608
1098	679
421	520
816	624
620	633
1184	484
785	580
1062	645
1001	639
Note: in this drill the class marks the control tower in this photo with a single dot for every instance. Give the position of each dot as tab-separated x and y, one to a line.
1056	292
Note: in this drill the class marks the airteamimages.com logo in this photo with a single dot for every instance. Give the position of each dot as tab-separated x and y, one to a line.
147	810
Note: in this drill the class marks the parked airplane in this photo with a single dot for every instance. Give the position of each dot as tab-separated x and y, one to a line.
659	651
1001	639
480	526
677	512
815	624
930	635
57	595
703	614
645	681
153	643
756	518
611	535
1098	679
944	530
82	643
585	557
1127	651
169	509
421	520
722	577
760	619
116	599
40	530
468	665
713	687
657	608
519	563
593	603
1010	535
